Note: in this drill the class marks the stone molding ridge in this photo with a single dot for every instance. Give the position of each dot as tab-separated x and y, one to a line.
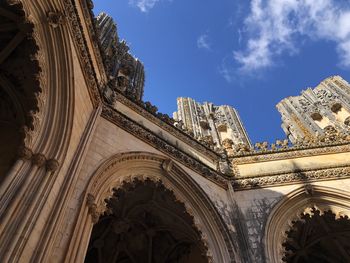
331	138
290	153
82	50
291	178
87	7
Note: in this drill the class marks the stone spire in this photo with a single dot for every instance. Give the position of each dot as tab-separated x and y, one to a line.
124	71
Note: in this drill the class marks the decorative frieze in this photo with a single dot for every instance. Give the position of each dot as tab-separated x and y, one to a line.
290	178
84	54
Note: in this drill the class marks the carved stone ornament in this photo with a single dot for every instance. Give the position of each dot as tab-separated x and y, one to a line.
288	178
93	211
25	153
52	165
55	19
80	42
39	159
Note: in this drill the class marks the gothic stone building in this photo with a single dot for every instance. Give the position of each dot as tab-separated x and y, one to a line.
91	173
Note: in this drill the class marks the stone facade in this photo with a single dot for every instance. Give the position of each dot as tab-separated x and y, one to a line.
90	174
210	124
125	72
317	110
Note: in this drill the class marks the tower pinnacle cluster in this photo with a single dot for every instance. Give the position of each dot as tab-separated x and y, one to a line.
210	124
317	111
125	72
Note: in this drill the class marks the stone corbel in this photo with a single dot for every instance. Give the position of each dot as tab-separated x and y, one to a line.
93	211
55	19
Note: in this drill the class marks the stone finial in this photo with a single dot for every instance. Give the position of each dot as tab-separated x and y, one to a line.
262	146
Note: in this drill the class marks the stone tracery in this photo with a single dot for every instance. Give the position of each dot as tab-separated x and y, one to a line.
318	237
145	223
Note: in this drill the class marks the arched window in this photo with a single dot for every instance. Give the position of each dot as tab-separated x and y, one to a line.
309	225
320	120
340	113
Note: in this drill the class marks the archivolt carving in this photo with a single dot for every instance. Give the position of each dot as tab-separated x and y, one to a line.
144	166
290	209
80	42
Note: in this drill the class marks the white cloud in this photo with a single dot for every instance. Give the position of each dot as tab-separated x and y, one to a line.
203	42
278	26
143	5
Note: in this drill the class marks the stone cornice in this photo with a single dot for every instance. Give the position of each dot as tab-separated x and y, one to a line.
168	127
150	138
306	176
82	50
290	153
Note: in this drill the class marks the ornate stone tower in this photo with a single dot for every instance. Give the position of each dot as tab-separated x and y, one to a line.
125	72
317	111
211	124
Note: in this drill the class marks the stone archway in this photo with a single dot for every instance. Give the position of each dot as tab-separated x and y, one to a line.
127	167
318	238
303	221
145	223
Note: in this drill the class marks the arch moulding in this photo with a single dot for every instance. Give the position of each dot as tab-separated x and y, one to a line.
126	167
292	206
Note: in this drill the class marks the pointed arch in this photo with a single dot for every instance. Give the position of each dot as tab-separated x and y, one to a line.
126	167
292	206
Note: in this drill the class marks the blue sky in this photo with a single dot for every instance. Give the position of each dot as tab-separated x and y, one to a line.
247	54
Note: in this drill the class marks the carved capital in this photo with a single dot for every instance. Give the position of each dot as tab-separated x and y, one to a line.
39	159
93	211
52	165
